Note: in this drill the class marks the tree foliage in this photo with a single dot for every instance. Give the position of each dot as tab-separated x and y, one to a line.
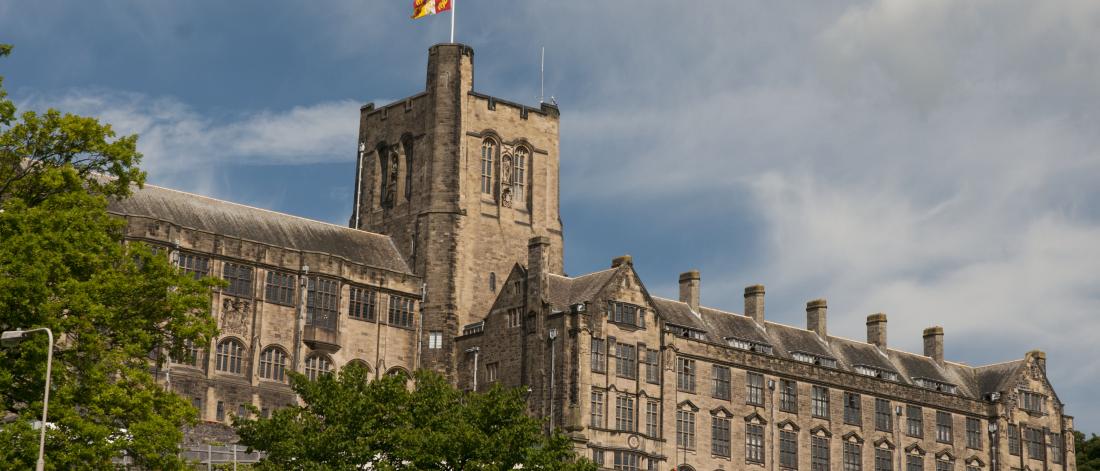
63	265
1088	452
349	421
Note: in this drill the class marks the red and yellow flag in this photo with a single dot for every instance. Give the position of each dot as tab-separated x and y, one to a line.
422	8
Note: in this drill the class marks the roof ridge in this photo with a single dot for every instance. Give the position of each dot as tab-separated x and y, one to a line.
358	231
998	363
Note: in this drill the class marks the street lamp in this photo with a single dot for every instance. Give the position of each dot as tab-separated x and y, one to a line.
11	338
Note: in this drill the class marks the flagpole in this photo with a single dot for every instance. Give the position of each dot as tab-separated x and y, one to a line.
453	7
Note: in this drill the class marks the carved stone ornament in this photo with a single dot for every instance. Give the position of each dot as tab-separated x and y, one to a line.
234	318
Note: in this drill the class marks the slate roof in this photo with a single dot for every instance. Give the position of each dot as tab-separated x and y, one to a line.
719	325
260	225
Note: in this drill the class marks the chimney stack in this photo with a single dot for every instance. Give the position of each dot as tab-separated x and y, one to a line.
538	267
754	303
689	289
623	260
815	317
876	330
933	344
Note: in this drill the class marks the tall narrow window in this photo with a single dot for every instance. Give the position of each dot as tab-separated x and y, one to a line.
599	360
973	433
685	429
819	454
853	409
1013	439
788	449
624	413
273	364
914	421
853	457
685	374
754	383
401	311
820	402
884	460
435	340
788	396
363	304
408	145
488	155
754	443
652	418
230	356
317	365
322	302
943	427
1056	448
519	185
239	278
883	420
945	465
721	384
597	409
720	435
626	361
652	367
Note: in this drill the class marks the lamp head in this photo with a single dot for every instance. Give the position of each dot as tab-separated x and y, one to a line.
11	338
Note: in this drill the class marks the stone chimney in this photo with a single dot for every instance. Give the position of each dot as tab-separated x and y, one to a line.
689	289
538	267
754	303
876	330
623	260
933	344
815	317
1039	357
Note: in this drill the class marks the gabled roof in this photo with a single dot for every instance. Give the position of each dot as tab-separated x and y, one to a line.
997	377
260	225
566	291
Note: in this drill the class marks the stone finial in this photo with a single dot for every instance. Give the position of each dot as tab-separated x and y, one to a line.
815	316
754	303
622	260
689	289
933	344
876	330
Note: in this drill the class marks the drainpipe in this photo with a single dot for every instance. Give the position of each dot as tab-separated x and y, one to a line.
301	320
476	351
771	428
553	336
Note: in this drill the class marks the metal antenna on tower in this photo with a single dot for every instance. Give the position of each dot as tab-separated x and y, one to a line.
542	82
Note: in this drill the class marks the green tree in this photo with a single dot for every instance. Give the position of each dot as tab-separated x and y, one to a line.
1088	451
111	305
349	421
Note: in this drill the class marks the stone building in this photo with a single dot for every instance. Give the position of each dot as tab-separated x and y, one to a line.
453	261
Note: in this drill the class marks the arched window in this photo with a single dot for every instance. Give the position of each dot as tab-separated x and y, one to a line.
519	185
230	356
488	155
398	371
192	355
316	365
407	143
273	364
361	364
493	281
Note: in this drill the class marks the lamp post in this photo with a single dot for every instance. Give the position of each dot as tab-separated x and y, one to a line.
13	337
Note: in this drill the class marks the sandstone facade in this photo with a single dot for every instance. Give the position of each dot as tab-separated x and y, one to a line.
456	220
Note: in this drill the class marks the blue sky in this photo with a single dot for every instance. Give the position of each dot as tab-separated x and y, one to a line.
933	160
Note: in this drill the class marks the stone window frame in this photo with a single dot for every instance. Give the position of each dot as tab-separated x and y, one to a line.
755	451
914	423
273	363
521	161
626	314
322	302
819	402
852	456
974	433
194	264
788	395
721	433
435	339
884	460
754	388
280	288
788	449
598	353
818	461
685	425
626	360
597	409
317	364
195	355
685	374
945	430
653	418
407	148
1014	444
853	409
653	366
490	155
721	382
240	278
401	311
363	303
625	407
884	415
231	355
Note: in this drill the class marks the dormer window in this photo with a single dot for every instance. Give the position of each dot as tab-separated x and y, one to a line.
741	344
1033	402
629	314
814	359
934	385
876	372
687	332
